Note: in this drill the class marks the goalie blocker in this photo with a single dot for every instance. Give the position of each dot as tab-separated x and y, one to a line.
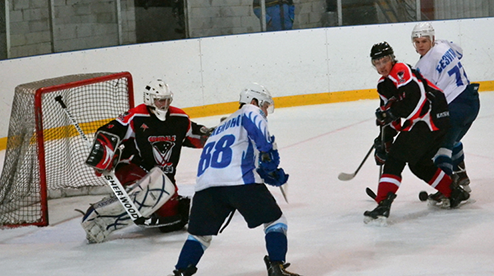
105	152
148	195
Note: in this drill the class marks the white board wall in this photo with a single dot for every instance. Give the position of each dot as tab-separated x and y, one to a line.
213	70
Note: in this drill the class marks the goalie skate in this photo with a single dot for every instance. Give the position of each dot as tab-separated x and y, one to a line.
108	215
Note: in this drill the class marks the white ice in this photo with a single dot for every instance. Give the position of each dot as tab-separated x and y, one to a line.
326	233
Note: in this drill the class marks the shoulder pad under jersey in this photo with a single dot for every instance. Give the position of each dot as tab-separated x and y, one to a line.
400	74
126	117
175	111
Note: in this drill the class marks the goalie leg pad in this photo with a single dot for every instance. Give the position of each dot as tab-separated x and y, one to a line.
108	215
104	217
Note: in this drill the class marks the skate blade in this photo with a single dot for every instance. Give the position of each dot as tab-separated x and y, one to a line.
466	188
464	202
443	204
379	221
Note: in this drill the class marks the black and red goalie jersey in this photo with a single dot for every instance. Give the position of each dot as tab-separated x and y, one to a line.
151	142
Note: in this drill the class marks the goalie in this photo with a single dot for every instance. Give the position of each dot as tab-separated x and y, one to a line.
146	137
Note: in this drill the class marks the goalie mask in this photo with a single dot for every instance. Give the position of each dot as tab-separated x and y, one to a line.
423	29
158	96
258	92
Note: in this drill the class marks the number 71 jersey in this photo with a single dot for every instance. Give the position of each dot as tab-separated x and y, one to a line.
442	66
230	155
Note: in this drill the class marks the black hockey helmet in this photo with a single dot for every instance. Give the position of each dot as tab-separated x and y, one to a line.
380	50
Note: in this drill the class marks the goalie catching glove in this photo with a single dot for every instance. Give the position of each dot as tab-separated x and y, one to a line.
105	153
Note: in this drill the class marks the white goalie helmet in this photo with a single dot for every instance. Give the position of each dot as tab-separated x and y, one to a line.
258	92
423	29
158	96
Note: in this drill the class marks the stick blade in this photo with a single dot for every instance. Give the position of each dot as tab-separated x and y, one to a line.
370	193
284	191
346	176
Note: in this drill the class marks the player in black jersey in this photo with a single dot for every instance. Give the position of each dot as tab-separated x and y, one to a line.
152	135
416	112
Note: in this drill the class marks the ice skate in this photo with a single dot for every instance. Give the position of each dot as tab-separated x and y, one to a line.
463	179
381	212
191	270
438	200
277	268
458	195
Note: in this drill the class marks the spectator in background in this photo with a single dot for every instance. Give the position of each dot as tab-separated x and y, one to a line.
178	13
279	14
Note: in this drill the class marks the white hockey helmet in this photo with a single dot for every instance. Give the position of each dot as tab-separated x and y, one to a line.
158	96
258	92
423	29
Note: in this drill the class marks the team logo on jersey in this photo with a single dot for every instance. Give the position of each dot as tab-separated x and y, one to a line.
123	115
162	151
401	76
144	127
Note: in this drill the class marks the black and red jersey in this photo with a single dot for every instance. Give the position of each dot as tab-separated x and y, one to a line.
410	96
150	142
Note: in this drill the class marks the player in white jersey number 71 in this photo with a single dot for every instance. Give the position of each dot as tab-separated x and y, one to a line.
238	158
440	63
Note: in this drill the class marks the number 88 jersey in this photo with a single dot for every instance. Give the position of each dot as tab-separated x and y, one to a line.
230	155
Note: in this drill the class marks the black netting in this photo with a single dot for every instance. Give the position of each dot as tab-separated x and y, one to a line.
65	151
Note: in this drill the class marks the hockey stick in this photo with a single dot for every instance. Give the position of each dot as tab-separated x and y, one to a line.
370	193
368	190
109	177
381	167
349	176
284	192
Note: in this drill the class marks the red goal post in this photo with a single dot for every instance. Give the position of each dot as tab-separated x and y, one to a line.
45	155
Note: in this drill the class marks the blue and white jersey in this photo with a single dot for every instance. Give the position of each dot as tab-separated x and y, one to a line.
442	66
230	155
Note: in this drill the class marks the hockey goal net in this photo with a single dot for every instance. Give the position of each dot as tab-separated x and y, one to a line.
45	154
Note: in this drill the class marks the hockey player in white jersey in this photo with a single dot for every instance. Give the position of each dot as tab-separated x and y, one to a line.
238	158
440	63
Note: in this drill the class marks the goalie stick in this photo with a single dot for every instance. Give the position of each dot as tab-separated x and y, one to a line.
109	177
349	176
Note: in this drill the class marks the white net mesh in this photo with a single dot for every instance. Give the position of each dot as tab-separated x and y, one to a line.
55	153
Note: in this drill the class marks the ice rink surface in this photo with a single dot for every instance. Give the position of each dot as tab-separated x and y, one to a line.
326	233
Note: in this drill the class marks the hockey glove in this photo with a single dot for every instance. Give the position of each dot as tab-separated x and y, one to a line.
381	151
104	153
269	161
275	178
384	117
